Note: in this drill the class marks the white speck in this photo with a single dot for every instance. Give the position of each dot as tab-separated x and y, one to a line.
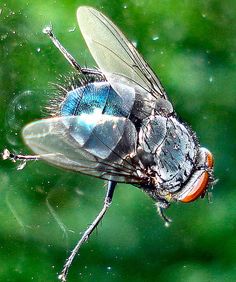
79	192
72	29
204	16
38	50
210	79
155	37
134	43
125	6
3	37
109	268
176	147
21	166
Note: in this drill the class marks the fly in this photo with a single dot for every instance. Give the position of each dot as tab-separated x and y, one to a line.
116	123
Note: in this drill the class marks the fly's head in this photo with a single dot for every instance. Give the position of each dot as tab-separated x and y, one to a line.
196	185
200	179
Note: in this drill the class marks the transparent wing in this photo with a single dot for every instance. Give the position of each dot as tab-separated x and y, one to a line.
116	56
97	146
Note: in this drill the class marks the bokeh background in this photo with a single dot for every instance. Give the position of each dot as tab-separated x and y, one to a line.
43	210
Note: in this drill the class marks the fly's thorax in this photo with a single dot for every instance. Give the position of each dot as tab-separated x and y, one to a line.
144	108
163	107
172	147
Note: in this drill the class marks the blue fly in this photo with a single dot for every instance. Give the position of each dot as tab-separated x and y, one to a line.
116	123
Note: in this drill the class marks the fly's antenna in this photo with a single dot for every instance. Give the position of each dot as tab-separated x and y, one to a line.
49	31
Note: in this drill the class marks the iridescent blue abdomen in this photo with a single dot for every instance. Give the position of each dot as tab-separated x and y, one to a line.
96	97
92	105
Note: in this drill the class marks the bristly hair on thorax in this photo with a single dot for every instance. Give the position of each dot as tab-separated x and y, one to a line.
65	84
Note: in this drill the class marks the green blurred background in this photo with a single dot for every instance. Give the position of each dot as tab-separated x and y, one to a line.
191	45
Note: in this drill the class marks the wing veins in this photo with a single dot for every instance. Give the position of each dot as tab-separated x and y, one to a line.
98	160
133	55
113	150
130	66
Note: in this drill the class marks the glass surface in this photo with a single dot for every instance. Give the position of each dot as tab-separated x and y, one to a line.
43	209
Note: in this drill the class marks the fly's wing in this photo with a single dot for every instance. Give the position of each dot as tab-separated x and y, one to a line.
97	146
116	56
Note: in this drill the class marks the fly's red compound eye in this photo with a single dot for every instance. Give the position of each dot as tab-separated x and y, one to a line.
209	159
199	182
197	189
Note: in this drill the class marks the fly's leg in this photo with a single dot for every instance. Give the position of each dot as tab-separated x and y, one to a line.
162	205
48	30
166	219
107	202
7	155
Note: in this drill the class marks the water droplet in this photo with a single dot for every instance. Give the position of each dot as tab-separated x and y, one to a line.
21	165
19	112
210	79
155	37
72	29
4	36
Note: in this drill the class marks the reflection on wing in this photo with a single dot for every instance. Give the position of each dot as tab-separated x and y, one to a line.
96	147
115	55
